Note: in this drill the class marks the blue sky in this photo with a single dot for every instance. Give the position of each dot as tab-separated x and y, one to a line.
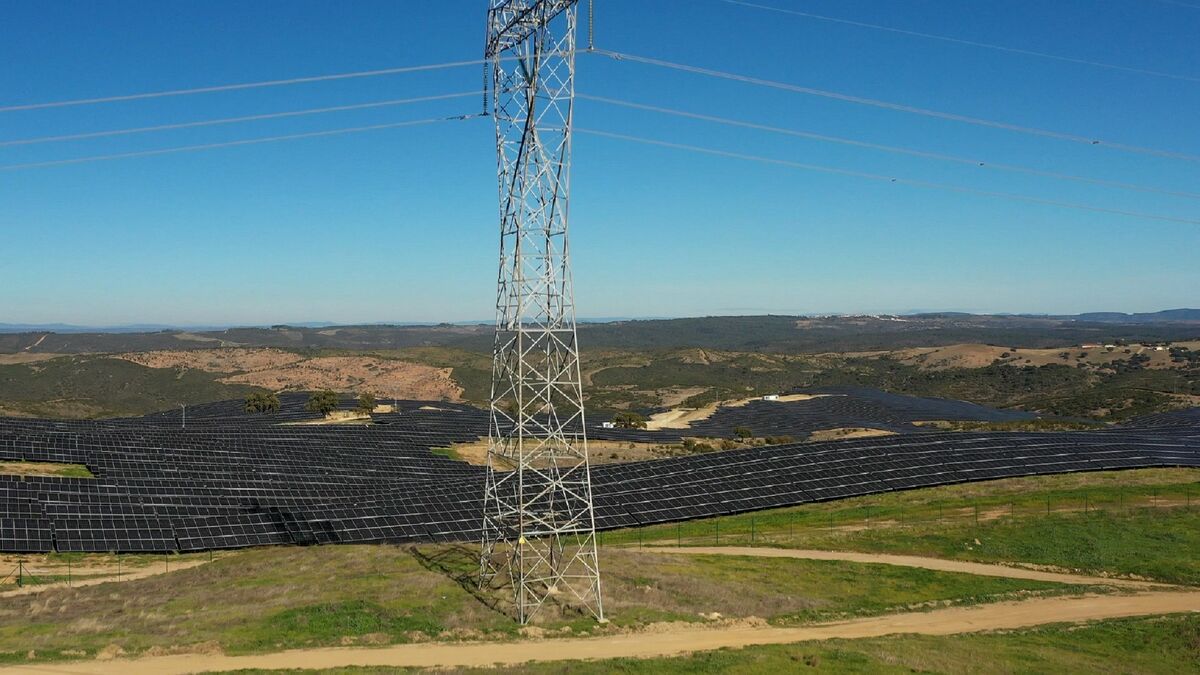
400	224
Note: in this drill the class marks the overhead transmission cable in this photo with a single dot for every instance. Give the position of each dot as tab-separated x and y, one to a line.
244	85
887	148
972	43
228	144
900	107
885	178
232	120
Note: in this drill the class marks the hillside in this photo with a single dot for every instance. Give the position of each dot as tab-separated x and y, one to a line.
783	334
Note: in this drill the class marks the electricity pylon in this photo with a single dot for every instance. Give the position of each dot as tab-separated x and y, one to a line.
539	532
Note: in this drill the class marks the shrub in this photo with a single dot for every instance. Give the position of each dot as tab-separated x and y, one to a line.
629	420
366	403
742	432
262	402
323	402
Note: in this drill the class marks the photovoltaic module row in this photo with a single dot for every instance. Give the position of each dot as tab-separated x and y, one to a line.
230	480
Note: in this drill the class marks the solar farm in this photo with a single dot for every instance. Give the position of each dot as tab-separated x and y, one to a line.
229	479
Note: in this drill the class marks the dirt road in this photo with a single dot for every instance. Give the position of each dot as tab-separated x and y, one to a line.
937	564
999	616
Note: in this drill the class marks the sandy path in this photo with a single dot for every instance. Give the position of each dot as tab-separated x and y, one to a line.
999	616
936	564
127	574
39	341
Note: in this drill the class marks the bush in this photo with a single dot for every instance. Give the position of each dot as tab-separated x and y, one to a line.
366	403
629	420
742	432
323	402
262	402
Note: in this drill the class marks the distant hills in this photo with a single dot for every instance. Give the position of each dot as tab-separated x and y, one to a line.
1164	316
769	333
1151	317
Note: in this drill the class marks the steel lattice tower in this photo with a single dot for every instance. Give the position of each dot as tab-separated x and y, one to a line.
538	527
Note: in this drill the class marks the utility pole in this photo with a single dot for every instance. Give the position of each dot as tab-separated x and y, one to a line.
183	406
538	530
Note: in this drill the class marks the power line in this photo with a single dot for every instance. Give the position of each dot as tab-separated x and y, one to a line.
228	144
245	85
888	148
900	107
972	43
232	120
889	179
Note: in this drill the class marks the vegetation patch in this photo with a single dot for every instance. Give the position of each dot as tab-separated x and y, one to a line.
1143	523
54	469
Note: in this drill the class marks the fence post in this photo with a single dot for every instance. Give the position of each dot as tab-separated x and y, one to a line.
751	530
718	524
976	514
68	571
678	535
118	567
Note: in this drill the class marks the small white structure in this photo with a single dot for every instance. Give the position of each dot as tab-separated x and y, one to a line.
771	397
607	425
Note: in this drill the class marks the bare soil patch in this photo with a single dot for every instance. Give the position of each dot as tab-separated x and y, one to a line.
978	356
599	452
682	418
382	377
25	357
235	360
278	370
847	432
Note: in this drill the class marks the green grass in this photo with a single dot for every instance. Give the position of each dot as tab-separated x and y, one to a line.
793	591
449	453
46	469
1124	530
281	598
1168	644
252	601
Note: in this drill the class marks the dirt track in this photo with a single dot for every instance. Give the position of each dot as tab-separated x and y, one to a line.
937	564
126	574
1000	616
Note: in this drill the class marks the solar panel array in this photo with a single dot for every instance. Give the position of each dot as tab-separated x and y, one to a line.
233	480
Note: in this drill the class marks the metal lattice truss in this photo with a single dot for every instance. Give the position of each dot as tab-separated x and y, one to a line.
538	525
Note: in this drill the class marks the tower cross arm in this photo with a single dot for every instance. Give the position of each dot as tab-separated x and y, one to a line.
511	21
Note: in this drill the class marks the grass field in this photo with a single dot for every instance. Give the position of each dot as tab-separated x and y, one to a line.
271	599
1126	523
1169	644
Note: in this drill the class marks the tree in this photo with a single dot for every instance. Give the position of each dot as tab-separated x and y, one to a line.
742	432
629	420
366	402
262	402
323	402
